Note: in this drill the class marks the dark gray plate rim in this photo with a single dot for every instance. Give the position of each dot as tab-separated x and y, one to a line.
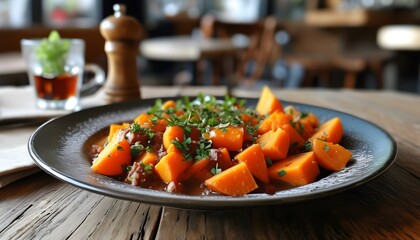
59	148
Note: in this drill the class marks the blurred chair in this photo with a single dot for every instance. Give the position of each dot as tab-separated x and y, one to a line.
308	48
321	53
247	65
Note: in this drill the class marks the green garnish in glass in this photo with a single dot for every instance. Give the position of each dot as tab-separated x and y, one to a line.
52	52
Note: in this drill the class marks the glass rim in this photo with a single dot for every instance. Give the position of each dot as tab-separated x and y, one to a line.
35	41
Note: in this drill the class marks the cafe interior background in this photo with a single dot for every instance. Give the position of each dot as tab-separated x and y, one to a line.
316	43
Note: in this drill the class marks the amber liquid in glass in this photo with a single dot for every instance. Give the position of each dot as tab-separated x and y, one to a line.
60	87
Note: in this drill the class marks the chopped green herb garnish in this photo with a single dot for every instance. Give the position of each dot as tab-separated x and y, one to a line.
156	108
269	161
308	145
135	128
183	147
135	150
216	170
126	168
326	148
150	133
148	167
120	148
292	123
281	173
154	120
203	150
149	149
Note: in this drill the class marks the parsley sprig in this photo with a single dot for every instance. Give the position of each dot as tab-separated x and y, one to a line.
204	113
52	53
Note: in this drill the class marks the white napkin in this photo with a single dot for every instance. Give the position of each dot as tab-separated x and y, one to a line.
18	103
15	162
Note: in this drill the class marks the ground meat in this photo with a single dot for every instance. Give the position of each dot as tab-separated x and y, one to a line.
95	150
156	141
174	187
140	174
138	137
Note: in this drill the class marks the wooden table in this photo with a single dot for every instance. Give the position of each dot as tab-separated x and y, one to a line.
41	207
186	48
191	50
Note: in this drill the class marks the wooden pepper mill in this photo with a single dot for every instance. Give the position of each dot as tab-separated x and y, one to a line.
122	34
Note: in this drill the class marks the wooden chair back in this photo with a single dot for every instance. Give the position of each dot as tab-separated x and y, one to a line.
260	50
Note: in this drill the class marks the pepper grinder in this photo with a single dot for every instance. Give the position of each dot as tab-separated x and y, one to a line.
122	34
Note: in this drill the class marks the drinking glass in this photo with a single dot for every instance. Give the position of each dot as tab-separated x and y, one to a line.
60	91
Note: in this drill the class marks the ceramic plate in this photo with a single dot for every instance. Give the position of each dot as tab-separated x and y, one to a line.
60	148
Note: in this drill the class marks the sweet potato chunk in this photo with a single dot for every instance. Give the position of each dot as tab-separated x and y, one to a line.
254	158
330	156
296	170
224	161
230	137
149	158
195	168
275	144
113	128
113	157
171	167
172	133
274	121
235	181
268	103
330	131
146	120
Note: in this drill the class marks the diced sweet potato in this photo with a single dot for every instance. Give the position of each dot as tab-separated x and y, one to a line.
280	120
168	104
299	169
172	133
330	156
149	158
195	168
171	167
274	121
230	137
235	181
295	139
330	131
145	120
254	158
113	157
113	128
224	161
268	103
275	144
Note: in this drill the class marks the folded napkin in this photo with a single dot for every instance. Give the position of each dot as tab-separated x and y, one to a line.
17	107
17	104
15	162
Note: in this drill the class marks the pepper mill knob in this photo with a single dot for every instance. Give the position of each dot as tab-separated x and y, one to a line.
122	34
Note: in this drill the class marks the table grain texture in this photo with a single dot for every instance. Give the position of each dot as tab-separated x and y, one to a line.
388	207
